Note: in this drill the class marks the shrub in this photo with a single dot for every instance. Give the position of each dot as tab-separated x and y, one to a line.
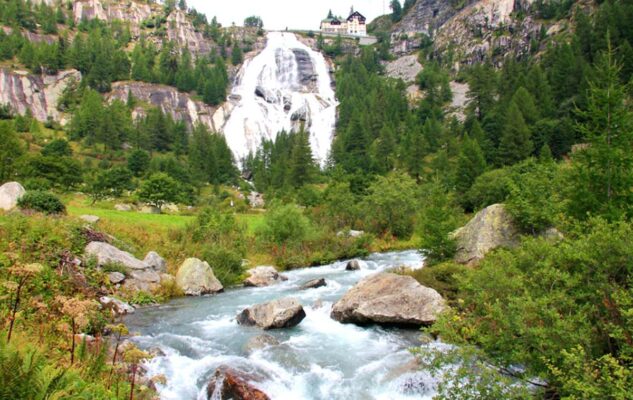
490	188
441	277
285	224
226	263
44	202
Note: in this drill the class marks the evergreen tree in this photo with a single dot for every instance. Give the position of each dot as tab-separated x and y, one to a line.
10	151
470	164
396	10
481	91
237	55
525	102
515	144
302	164
604	170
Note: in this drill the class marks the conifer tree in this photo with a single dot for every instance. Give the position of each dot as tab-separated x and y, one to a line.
470	164
515	144
524	100
302	164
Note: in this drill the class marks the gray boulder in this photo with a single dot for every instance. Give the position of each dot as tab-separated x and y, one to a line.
107	254
263	276
145	281
491	228
116	277
91	219
117	306
155	261
10	193
353	265
387	298
314	283
196	278
123	207
282	313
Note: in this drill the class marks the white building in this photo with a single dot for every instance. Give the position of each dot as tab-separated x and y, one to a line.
354	25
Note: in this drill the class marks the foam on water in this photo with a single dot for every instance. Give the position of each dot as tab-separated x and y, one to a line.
318	359
276	71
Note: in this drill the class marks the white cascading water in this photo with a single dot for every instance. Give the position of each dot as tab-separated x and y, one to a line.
320	359
286	85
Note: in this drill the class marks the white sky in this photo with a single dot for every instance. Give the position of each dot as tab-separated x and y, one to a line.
279	14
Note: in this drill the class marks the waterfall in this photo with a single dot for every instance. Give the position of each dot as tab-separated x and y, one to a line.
284	87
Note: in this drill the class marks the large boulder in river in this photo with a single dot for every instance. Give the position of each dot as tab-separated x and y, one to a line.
282	313
491	228
388	298
230	384
195	278
10	193
263	276
107	254
353	265
314	283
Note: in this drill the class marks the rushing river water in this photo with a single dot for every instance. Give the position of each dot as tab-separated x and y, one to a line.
318	359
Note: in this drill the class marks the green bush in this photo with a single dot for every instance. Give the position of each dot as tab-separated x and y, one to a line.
285	224
226	263
439	217
490	188
441	277
44	202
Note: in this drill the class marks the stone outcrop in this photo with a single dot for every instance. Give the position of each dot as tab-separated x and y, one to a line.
263	276
491	228
196	278
155	261
37	93
230	384
10	193
282	313
116	277
107	254
181	31
314	283
180	106
387	298
307	74
129	11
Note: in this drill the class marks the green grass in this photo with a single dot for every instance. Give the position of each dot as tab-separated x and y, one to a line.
252	221
163	222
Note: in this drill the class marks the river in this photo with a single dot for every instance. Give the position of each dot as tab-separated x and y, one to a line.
318	359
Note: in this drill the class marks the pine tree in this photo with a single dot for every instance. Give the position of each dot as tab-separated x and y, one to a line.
515	144
524	100
302	164
604	170
482	90
237	55
470	164
396	10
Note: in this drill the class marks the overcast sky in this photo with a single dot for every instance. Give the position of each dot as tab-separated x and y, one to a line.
279	14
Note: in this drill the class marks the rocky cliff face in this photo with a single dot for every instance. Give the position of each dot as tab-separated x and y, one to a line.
488	29
132	12
481	30
182	32
37	93
180	106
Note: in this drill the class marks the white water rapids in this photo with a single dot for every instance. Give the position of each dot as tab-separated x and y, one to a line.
286	85
317	360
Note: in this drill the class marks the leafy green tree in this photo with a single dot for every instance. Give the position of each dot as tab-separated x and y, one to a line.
515	144
159	189
285	224
237	55
110	183
390	206
254	22
138	162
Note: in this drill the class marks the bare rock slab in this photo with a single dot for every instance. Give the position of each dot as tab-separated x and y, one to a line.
389	299
107	254
282	313
314	283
